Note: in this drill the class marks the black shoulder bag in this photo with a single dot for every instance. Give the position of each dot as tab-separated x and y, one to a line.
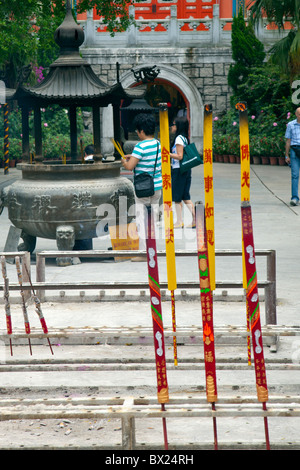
144	182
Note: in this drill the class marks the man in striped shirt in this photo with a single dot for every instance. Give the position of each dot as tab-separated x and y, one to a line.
292	147
145	158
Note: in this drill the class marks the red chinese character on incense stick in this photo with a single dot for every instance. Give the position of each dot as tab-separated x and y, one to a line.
208	183
207	156
245	152
166	180
165	155
246	179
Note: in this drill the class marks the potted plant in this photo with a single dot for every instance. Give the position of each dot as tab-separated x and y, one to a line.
255	149
281	156
234	149
223	147
15	151
218	148
264	146
276	150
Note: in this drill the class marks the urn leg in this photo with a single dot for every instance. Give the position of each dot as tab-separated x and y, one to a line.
86	244
65	240
29	242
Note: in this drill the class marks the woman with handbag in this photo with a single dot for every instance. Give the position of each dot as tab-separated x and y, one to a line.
145	162
181	182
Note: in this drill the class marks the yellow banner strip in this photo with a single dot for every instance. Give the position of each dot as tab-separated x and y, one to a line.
167	195
209	191
244	151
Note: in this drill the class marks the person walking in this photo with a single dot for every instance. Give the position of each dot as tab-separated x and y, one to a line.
145	157
292	155
181	182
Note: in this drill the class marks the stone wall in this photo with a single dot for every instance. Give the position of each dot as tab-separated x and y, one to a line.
206	69
199	73
195	59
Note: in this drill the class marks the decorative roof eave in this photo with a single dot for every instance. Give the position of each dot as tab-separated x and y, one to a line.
65	97
10	94
71	80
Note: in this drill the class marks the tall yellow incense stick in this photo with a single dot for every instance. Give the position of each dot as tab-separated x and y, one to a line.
209	191
118	147
168	213
245	187
244	151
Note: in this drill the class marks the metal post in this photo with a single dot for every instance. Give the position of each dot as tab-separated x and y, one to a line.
128	433
26	272
271	316
25	131
97	132
73	133
117	127
38	134
6	140
40	275
270	298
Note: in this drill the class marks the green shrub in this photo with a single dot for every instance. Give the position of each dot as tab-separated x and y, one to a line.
55	129
247	52
266	134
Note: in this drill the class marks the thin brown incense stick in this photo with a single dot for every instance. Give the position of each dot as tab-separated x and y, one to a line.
39	310
24	307
266	425
8	315
7	302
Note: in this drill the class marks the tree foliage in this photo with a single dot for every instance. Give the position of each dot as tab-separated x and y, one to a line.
286	51
26	35
256	81
275	10
247	51
115	14
27	30
265	89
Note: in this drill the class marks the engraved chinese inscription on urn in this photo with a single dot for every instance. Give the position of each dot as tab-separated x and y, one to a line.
52	200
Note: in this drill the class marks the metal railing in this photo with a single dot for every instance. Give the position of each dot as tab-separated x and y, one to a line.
269	284
130	410
41	285
25	268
